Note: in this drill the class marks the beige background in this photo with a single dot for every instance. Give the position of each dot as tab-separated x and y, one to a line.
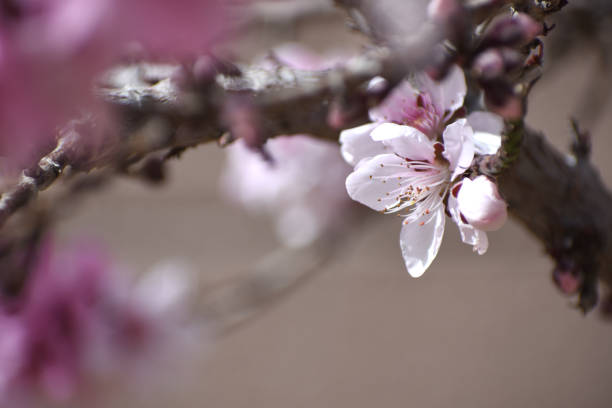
474	331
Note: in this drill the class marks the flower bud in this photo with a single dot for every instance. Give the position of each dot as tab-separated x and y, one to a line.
567	278
481	205
501	99
512	31
496	62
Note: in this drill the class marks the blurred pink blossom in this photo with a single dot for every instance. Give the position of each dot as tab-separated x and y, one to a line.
301	187
76	324
179	28
301	57
52	50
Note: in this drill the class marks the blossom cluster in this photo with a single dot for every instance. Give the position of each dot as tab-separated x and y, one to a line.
412	158
76	324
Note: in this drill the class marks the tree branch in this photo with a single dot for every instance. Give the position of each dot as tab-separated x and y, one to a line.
156	115
564	203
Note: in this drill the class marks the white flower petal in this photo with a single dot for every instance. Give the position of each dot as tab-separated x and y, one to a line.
406	141
458	146
356	144
481	243
481	205
469	235
488	128
420	241
486	143
374	182
475	237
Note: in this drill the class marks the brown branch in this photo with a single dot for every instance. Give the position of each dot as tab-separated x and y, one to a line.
564	203
157	115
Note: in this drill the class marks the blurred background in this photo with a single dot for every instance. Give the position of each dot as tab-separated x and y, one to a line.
474	331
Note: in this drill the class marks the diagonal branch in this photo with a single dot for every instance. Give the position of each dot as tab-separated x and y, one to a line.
156	114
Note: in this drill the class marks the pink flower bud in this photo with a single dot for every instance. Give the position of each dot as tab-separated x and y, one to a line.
567	279
529	26
513	30
501	98
496	62
481	205
511	108
489	64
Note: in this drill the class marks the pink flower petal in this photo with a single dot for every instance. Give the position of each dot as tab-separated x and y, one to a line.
448	94
397	106
420	241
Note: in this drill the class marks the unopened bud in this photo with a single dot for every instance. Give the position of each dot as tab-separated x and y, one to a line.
500	98
516	30
481	205
496	62
567	278
489	64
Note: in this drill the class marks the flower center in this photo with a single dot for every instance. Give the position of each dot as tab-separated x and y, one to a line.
421	188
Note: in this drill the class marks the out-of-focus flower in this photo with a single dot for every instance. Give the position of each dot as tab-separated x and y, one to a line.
298	56
169	29
400	166
52	50
301	187
76	324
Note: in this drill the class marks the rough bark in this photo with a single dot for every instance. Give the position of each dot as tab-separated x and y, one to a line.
562	201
